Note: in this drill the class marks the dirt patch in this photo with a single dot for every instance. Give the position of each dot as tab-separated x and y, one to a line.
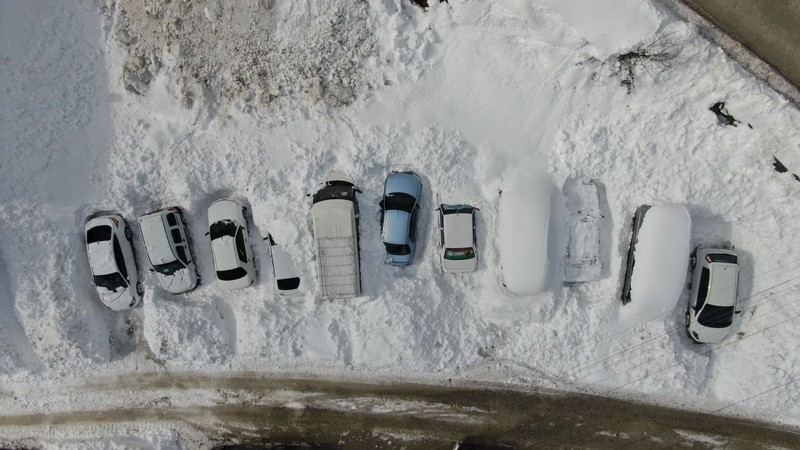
246	52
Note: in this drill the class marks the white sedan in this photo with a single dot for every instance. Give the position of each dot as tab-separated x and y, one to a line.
111	260
457	243
712	305
230	244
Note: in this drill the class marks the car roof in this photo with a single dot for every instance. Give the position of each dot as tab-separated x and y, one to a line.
334	218
101	257
156	241
458	230
722	284
395	227
225	255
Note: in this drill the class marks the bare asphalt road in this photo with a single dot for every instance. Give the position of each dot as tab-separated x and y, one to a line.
769	28
353	415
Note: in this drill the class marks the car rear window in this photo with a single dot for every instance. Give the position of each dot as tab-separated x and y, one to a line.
287	284
171	220
394	249
459	253
98	234
722	258
233	274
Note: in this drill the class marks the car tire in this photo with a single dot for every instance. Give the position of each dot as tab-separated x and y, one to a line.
139	289
128	233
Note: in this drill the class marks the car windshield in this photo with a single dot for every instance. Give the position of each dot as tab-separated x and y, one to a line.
459	253
287	284
399	200
233	274
98	234
168	268
111	281
714	316
222	228
394	249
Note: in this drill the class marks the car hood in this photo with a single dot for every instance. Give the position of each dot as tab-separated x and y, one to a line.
225	209
405	182
395	227
181	281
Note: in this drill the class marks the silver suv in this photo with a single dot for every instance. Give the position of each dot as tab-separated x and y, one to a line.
167	247
712	304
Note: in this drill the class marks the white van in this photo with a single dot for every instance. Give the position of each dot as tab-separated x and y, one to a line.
335	216
167	246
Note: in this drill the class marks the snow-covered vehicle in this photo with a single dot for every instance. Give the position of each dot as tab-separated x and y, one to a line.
335	216
230	244
399	213
524	225
712	304
166	244
112	262
287	280
657	260
458	248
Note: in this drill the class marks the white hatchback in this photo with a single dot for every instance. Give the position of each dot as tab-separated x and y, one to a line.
167	246
230	244
458	248
112	262
712	304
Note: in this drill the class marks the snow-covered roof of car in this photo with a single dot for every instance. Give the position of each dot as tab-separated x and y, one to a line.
157	243
458	230
524	224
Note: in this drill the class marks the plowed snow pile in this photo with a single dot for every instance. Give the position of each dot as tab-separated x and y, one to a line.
140	105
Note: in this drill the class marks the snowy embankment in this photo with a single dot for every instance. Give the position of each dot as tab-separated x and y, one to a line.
469	95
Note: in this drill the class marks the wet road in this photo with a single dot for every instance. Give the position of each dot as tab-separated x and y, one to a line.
249	408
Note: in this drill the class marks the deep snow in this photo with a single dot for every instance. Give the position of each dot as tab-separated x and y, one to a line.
468	94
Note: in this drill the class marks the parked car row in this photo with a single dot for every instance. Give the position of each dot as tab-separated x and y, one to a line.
335	218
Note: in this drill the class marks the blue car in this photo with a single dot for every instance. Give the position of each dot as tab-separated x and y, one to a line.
399	212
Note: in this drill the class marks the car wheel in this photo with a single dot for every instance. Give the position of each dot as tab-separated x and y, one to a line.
139	289
128	233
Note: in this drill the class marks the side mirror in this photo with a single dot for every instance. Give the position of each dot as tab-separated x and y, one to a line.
152	270
739	312
207	233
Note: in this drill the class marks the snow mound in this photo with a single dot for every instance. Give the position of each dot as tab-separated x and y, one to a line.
247	53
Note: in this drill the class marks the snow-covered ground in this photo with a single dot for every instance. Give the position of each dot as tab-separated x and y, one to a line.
468	94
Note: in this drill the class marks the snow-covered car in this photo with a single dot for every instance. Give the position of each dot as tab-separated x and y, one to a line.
112	262
524	226
657	261
287	280
230	244
334	213
166	244
399	212
712	304
458	248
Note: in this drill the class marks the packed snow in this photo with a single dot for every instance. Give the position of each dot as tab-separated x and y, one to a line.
111	110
